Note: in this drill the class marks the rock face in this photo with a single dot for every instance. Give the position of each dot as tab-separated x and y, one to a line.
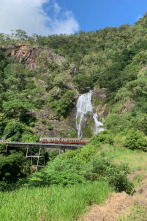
56	128
99	93
38	59
126	106
25	54
98	100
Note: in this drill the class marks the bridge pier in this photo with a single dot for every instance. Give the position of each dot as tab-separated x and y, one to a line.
32	156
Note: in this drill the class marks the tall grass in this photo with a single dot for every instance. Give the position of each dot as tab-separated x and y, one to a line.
51	203
136	159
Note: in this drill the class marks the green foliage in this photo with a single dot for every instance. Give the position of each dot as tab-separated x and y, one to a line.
58	172
20	35
142	123
102	138
63	104
118	65
16	109
99	168
73	134
3	61
52	203
83	82
15	77
13	130
135	140
117	123
65	65
2	148
79	167
49	125
11	169
29	137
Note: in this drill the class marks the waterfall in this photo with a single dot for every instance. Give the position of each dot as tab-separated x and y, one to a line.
84	106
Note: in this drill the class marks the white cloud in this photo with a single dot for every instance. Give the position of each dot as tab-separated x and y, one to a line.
42	17
138	17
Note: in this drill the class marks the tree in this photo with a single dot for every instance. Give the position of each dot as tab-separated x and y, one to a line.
14	130
21	35
16	109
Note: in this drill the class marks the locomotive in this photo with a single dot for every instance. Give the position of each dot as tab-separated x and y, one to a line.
64	140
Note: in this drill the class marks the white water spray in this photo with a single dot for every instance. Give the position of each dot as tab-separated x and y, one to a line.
83	107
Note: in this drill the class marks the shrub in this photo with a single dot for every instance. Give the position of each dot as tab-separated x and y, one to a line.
29	137
49	125
99	168
2	148
11	170
13	130
135	140
63	172
79	169
102	138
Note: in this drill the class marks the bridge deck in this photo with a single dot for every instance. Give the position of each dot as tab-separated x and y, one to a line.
44	145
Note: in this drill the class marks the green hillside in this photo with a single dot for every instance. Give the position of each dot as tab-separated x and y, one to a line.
111	58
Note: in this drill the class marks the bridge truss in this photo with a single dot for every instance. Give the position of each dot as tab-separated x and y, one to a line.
37	159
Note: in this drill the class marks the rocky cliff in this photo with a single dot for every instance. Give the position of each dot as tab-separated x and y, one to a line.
37	59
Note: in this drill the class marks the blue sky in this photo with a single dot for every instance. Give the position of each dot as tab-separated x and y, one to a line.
47	17
96	14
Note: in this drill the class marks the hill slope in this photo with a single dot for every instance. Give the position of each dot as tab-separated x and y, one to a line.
42	77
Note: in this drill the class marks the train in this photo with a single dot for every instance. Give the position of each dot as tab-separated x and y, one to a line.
64	140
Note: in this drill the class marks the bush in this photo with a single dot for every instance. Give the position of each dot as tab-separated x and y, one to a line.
13	130
80	168
135	140
63	172
99	168
2	148
29	137
11	170
49	125
102	138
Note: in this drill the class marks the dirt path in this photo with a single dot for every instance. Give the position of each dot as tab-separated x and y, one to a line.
117	204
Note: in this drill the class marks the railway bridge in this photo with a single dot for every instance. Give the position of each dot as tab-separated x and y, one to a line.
37	159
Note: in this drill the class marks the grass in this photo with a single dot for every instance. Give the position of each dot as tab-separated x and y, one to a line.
136	213
51	203
136	159
58	203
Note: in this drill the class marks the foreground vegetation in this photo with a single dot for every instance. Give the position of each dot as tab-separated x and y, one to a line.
51	203
71	182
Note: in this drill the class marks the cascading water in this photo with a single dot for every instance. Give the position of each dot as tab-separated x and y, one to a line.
83	107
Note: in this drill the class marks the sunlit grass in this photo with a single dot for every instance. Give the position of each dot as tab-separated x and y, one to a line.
135	213
136	160
51	203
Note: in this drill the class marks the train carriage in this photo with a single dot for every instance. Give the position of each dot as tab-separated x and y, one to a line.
64	140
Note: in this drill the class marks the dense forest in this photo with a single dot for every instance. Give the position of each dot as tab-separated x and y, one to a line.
41	78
